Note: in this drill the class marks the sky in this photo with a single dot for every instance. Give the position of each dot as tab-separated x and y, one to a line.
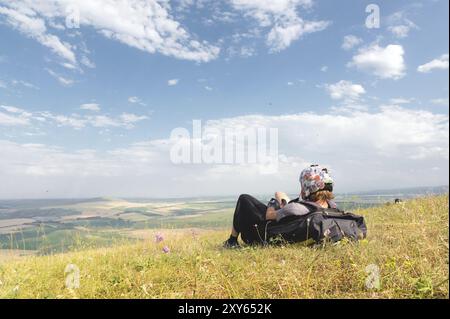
91	91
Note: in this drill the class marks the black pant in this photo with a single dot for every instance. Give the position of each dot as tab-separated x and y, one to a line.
250	218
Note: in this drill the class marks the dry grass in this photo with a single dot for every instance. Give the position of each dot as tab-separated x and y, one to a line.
408	243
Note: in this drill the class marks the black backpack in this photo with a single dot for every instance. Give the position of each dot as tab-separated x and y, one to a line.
318	225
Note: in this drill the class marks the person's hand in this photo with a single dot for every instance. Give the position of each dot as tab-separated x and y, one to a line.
271	213
282	198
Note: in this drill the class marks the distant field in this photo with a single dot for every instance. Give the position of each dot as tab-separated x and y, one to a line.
50	226
406	255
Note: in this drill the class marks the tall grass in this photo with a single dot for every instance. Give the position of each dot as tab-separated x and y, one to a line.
407	246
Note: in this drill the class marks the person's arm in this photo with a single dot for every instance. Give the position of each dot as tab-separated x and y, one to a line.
288	210
271	213
283	199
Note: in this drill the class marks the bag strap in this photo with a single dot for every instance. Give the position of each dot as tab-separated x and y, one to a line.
312	207
316	208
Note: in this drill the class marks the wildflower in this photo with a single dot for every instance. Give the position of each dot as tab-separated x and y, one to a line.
166	249
159	238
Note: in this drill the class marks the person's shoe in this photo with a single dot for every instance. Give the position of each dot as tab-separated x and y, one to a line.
231	243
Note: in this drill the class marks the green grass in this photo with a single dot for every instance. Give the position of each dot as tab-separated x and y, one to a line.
49	240
101	232
408	243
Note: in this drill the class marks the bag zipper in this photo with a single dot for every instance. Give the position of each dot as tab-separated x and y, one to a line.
308	220
259	235
265	231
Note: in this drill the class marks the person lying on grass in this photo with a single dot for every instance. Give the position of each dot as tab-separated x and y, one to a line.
316	189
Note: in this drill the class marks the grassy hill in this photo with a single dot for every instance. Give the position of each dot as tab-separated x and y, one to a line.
407	246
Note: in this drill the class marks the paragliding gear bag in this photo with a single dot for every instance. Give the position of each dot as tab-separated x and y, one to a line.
318	225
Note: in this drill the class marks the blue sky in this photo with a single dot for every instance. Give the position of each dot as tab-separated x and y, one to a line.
84	110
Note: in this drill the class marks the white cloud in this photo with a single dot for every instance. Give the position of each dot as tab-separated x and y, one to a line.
12	84
281	18
61	79
24	84
129	119
400	25
90	107
136	100
324	68
69	66
21	17
12	120
15	110
282	36
440	63
351	41
358	142
143	24
208	88
16	116
385	63
440	101
173	82
245	51
400	31
87	62
75	121
400	100
345	90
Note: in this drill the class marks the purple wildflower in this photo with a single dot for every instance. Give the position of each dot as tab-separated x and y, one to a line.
159	238
166	249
